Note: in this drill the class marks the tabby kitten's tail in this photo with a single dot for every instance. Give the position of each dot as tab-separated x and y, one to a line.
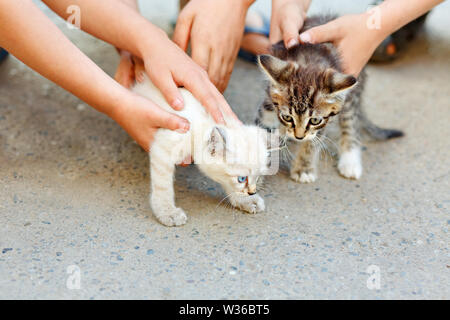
376	132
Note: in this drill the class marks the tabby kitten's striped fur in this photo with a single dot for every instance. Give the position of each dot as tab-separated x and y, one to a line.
306	92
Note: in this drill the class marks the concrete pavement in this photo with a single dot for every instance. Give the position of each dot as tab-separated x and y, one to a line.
74	197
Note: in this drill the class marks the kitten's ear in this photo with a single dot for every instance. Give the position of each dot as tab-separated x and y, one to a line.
276	69
339	83
217	142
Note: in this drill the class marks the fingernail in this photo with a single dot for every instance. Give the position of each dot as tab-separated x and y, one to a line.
305	37
292	43
183	128
178	104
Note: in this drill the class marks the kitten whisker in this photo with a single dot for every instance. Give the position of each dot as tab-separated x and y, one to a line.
324	146
226	197
330	140
284	150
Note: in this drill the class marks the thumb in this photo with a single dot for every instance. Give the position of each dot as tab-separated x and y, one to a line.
167	120
324	33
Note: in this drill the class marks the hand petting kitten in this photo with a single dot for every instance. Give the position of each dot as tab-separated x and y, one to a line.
357	36
215	30
288	17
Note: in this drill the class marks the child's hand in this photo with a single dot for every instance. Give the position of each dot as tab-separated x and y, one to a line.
215	30
354	40
141	118
169	67
357	36
288	17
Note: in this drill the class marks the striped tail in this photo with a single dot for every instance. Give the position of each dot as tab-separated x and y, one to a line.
376	132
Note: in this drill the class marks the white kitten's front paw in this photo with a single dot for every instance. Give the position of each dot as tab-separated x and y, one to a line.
251	204
350	165
304	177
172	217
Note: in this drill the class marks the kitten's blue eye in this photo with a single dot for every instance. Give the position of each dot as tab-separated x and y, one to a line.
242	179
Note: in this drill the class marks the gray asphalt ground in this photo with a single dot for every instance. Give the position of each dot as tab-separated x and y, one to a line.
74	196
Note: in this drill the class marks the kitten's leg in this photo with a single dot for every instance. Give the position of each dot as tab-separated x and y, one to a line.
350	164
303	168
251	204
162	200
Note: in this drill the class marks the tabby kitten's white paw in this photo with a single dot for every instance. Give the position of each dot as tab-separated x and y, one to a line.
251	204
350	165
172	217
304	177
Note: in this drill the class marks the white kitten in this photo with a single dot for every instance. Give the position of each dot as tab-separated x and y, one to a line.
234	156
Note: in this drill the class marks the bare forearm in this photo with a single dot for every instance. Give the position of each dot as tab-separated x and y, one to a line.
28	34
396	13
134	5
113	21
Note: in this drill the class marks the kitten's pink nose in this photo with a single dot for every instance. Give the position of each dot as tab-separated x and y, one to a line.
299	133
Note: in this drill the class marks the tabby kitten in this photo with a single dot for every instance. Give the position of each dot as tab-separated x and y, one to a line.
307	91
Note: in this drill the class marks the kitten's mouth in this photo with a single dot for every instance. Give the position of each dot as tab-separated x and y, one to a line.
305	138
245	194
310	137
290	135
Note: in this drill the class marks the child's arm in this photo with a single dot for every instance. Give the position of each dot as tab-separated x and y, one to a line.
357	36
28	34
167	65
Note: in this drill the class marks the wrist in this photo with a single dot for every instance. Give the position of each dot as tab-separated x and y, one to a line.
118	101
383	19
375	31
304	4
242	4
149	39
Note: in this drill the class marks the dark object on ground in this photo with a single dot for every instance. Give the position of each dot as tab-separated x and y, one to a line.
3	54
